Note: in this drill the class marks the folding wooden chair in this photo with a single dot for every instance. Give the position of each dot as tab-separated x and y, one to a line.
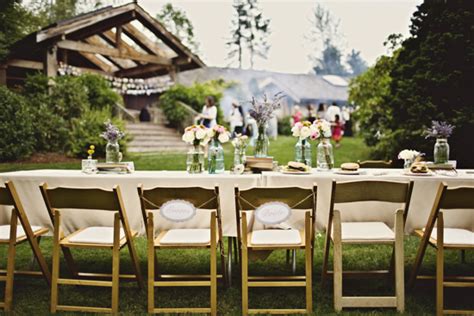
181	205
14	234
367	233
268	205
443	238
114	238
375	164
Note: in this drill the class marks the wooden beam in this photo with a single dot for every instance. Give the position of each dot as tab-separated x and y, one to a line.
162	33
120	63
3	75
111	52
118	37
99	63
81	23
23	63
110	37
139	70
51	62
141	40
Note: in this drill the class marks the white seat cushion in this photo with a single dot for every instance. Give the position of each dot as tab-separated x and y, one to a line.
96	235
276	237
455	236
5	231
191	236
366	231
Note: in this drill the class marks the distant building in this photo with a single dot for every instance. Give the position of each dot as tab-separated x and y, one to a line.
300	89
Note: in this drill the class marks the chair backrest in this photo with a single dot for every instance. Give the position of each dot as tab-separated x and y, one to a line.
375	164
5	197
296	198
457	198
360	191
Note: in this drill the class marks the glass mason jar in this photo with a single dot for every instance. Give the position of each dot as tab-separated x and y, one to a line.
239	155
195	160
112	152
303	152
89	166
325	157
261	143
215	158
407	163
441	151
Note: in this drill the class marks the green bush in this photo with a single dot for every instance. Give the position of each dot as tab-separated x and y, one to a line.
69	97
194	96
99	93
16	130
284	126
86	130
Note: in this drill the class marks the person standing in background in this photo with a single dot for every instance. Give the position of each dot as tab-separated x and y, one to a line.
346	116
321	113
311	115
297	115
236	119
337	130
208	116
332	111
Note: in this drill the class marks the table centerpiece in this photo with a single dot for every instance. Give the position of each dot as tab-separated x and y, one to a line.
324	156
197	136
441	131
218	135
303	130
112	150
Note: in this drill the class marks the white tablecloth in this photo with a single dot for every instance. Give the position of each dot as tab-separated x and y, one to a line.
27	184
424	191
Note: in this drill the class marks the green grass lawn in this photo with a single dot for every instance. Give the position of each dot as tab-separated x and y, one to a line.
282	150
31	296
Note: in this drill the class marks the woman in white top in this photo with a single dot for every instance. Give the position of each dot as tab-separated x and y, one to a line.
209	113
236	119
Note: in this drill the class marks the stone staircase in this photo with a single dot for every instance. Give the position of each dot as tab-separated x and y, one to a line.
154	137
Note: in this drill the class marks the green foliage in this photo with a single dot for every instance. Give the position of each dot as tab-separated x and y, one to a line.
194	96
357	64
330	63
369	92
432	80
176	21
17	138
284	126
99	93
86	130
69	97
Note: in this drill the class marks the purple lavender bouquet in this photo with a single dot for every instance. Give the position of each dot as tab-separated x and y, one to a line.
439	130
112	133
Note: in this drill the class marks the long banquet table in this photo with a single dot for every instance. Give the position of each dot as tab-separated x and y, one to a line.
27	183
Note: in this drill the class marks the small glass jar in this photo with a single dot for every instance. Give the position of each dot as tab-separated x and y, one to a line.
195	160
215	158
112	152
303	152
407	164
441	151
261	143
239	155
325	157
89	166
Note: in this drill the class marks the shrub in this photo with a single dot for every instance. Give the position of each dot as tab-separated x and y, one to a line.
86	130
194	96
16	129
99	93
284	125
69	97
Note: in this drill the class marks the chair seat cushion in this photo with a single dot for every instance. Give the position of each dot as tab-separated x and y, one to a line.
366	231
20	232
191	236
276	237
96	235
455	236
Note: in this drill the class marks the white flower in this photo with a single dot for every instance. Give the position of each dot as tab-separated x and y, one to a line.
223	137
188	137
200	133
305	132
239	169
296	131
205	141
408	154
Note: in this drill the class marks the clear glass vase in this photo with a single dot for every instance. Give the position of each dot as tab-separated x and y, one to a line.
441	151
112	152
215	158
303	152
325	157
407	164
195	160
261	143
239	156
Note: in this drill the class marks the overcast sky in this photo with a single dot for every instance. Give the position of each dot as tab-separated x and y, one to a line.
364	24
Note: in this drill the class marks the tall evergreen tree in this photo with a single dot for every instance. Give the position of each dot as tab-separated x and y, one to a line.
357	64
330	63
250	30
176	21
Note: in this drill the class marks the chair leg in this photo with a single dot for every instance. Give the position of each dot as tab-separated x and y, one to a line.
229	261
33	257
151	265
288	256
116	265
337	257
399	262
10	276
327	246
55	268
308	267
293	261
70	262
463	256
440	266
213	268
245	289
